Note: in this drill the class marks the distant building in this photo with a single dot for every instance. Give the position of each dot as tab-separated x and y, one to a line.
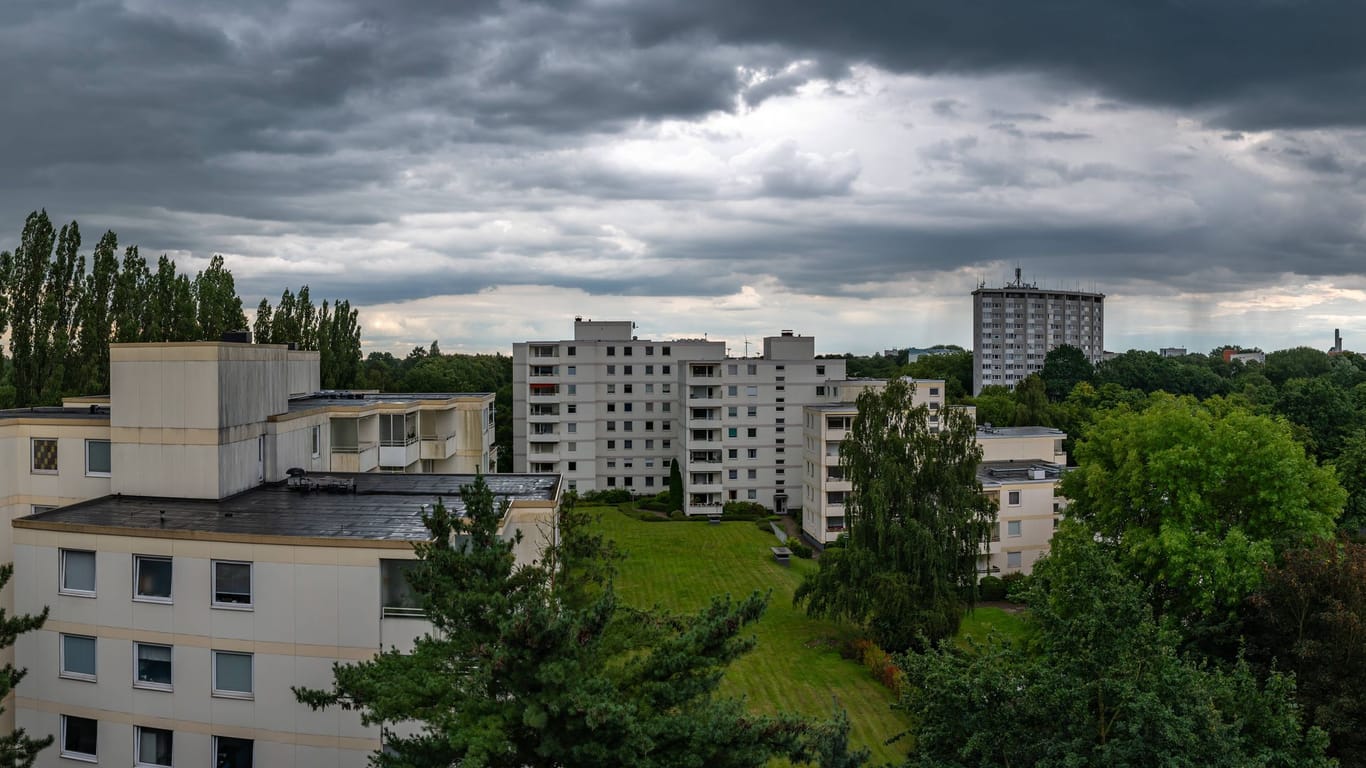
1231	355
1173	352
915	353
1014	327
1020	471
609	410
1337	342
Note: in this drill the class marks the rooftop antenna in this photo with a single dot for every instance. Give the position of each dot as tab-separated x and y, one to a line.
746	346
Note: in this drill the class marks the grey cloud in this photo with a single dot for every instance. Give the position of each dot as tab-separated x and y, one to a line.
1062	135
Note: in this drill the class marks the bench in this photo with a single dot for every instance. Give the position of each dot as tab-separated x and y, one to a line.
782	555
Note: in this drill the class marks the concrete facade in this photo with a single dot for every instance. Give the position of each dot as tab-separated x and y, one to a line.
1016	326
609	410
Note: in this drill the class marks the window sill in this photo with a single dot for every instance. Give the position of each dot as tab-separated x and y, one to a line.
99	474
240	607
150	686
76	593
77	677
237	695
43	472
81	756
149	599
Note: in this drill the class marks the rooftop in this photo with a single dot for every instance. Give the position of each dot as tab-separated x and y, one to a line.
986	431
93	411
362	399
382	507
997	472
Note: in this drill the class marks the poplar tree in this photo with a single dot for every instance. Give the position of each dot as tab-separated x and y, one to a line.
17	748
217	306
917	523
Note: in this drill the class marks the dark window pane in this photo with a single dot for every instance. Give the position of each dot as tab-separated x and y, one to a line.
154	664
232	583
232	753
154	577
79	735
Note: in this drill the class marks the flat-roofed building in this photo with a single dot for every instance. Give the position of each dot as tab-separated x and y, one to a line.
1028	512
177	627
1015	327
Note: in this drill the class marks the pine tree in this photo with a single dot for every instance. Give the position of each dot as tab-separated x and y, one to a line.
17	749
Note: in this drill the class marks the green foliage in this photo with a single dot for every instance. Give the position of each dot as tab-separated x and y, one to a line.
1324	409
1063	369
1031	403
991	588
540	665
17	748
995	405
1296	363
954	368
1351	472
743	510
917	522
1106	686
675	486
800	550
1017	586
333	330
1309	618
1197	498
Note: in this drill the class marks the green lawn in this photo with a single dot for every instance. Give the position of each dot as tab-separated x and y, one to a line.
795	666
985	619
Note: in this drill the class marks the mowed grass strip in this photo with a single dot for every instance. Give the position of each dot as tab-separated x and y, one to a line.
796	665
984	620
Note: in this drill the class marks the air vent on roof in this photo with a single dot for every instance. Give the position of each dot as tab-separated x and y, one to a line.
237	337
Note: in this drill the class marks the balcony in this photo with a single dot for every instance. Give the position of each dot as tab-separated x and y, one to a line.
360	457
699	395
399	453
438	446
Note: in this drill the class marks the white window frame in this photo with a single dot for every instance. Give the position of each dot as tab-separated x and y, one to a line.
61	576
227	693
137	568
33	447
88	472
214	744
149	684
1013	498
1018	557
62	671
1014	529
82	756
137	742
251	585
316	440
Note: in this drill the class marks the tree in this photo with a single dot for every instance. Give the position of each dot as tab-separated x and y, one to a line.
1103	684
1064	367
218	309
995	405
523	670
1031	403
24	277
918	522
97	317
675	486
1309	618
1351	471
17	749
1198	497
129	303
1296	363
955	368
1324	409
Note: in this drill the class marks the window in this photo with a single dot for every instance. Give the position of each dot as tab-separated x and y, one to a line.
611	445
626	370
44	455
396	594
649	482
153	747
752	494
78	657
666	444
1013	528
79	737
751	390
611	407
649	389
231	584
611	351
611	370
752	432
649	426
572	427
732	369
1013	498
571	351
232	674
316	441
934	391
152	666
649	369
752	410
611	482
734	474
820	391
666	388
733	453
571	370
626	388
732	431
752	453
752	369
732	411
572	466
233	753
97	457
611	426
626	445
626	407
78	573
152	578
1013	560
573	389
572	407
626	351
665	352
731	390
666	370
752	474
820	370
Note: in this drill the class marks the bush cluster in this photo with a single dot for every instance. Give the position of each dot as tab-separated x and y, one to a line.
1017	586
877	661
991	588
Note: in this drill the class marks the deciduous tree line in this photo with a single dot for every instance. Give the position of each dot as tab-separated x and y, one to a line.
61	310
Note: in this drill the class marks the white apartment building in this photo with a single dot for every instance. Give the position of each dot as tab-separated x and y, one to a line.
1014	327
609	410
205	424
1020	471
178	627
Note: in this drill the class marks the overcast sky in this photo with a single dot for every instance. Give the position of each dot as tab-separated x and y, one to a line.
481	172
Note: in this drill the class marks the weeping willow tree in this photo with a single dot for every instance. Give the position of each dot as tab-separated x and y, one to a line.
917	522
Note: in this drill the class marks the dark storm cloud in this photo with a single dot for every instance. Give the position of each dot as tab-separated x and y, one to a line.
1248	63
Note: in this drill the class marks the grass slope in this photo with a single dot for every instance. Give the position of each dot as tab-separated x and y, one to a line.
795	666
980	622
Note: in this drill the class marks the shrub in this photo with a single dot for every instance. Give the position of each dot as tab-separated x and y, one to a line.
991	588
743	510
876	661
800	550
763	526
607	496
1017	586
